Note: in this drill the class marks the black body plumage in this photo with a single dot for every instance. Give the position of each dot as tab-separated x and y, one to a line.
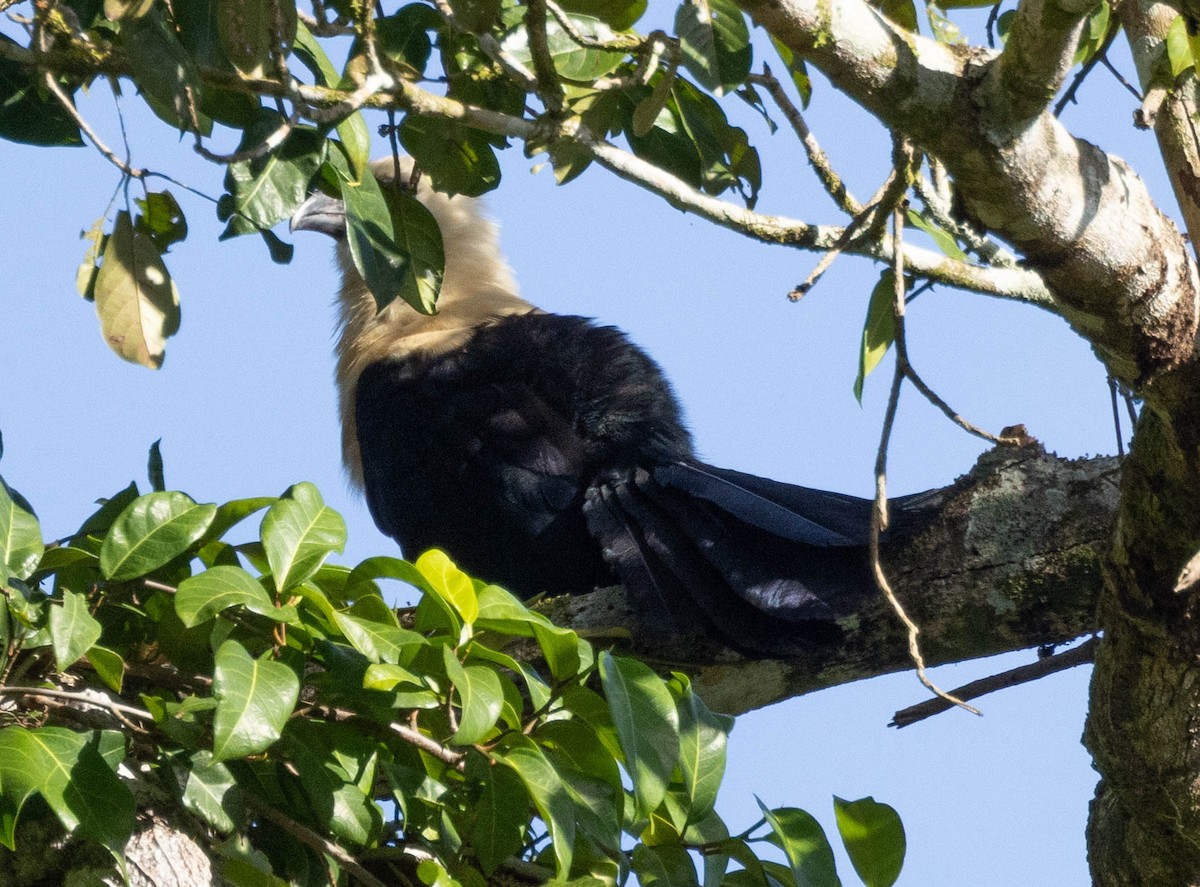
547	453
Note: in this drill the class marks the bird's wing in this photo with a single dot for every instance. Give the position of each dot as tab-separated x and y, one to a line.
699	566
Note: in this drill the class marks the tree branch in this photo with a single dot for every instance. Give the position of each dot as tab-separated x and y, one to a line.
1006	558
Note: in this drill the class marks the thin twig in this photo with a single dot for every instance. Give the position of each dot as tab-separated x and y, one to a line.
830	180
621	41
314	841
1133	90
98	701
1100	55
1116	411
69	106
933	398
879	514
1022	674
457	760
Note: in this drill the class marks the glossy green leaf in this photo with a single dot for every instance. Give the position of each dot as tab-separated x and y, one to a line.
268	189
73	630
874	839
572	61
480	698
28	112
230	514
298	533
210	791
664	866
714	43
109	666
879	329
254	697
702	740
21	545
206	594
647	723
152	530
498	830
449	583
379	641
550	797
74	773
136	300
804	843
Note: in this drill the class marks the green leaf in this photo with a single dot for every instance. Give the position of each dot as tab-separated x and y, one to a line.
944	239
379	641
396	247
85	275
549	795
298	533
28	112
210	791
879	330
714	43
152	530
1179	48
254	697
620	15
904	12
480	698
164	71
456	158
702	739
647	724
804	843
20	536
572	61
797	68
136	300
264	191
203	596
73	630
874	839
352	130
109	666
248	34
403	37
154	467
664	866
498	830
162	219
74	773
233	512
449	583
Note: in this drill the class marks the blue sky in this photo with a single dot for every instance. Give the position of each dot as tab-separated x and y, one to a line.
245	406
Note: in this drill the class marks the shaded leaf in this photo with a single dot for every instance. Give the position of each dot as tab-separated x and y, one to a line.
480	698
162	219
498	830
702	740
210	791
109	666
549	795
247	29
136	300
28	112
266	190
572	61
714	43
664	866
879	329
154	467
164	71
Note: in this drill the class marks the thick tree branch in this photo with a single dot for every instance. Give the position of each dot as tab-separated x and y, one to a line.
1038	55
1005	559
1119	270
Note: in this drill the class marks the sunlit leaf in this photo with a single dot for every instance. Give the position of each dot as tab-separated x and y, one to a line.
152	530
480	698
874	839
254	697
647	723
73	630
450	583
206	594
571	60
20	536
804	843
702	736
879	329
299	532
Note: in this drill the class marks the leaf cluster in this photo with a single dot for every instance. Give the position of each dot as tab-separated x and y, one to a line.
306	728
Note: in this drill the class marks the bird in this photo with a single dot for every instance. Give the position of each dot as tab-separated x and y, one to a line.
547	453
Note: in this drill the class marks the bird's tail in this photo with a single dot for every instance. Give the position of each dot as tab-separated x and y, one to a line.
754	562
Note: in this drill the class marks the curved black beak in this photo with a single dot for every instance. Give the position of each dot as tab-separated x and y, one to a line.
321	213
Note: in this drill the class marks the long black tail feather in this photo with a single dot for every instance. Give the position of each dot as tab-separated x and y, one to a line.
736	557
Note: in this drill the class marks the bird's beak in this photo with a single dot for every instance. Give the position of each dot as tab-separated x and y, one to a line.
321	213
